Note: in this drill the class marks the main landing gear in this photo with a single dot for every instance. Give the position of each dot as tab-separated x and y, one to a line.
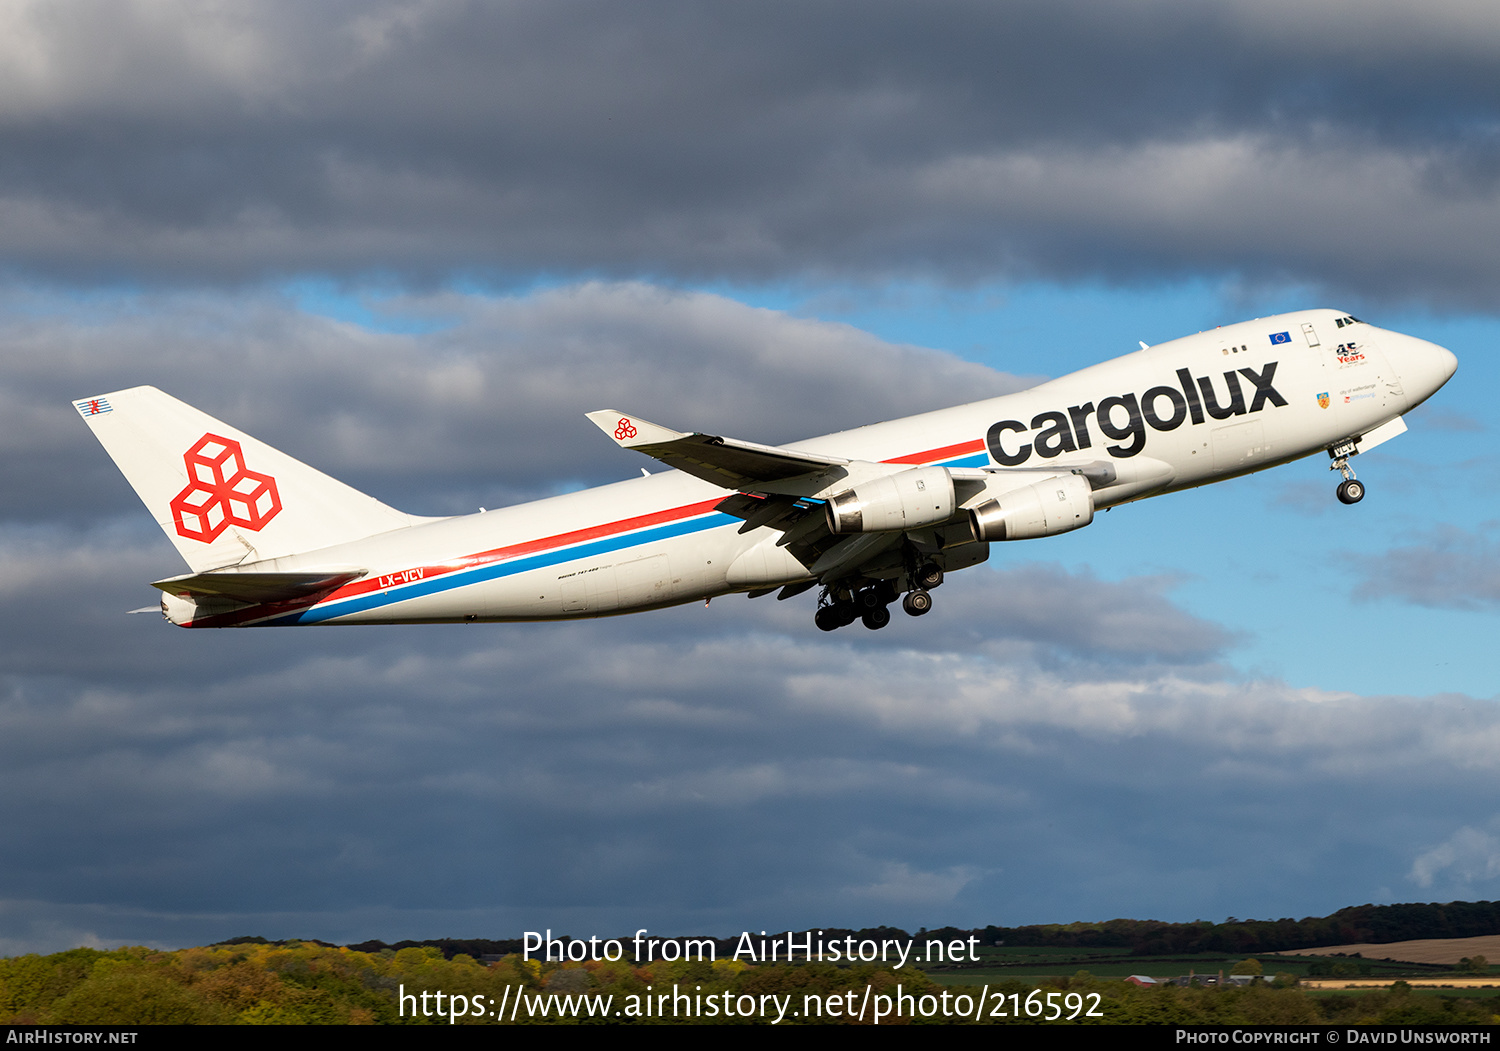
917	602
924	578
838	607
1351	490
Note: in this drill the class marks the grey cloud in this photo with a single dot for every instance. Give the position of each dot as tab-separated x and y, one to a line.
484	410
1080	614
1469	856
1451	568
1343	145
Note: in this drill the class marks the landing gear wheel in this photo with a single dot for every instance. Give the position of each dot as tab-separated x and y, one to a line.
929	576
917	602
876	618
827	618
1350	490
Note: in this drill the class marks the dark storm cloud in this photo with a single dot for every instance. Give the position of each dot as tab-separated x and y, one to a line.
1351	144
703	769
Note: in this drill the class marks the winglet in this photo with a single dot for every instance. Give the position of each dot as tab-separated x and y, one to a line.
725	462
630	432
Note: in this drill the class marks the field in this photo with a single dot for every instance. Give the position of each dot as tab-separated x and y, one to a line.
1446	951
1032	964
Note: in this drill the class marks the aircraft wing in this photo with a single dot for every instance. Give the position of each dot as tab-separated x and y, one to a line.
785	489
727	462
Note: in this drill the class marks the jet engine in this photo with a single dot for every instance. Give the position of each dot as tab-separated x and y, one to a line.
911	499
1056	505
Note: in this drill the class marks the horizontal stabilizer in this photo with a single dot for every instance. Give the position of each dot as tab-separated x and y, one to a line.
259	587
727	462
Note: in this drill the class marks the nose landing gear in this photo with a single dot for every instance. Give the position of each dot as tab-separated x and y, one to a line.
1351	490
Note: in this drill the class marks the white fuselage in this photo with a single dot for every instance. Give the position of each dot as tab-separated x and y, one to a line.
1181	414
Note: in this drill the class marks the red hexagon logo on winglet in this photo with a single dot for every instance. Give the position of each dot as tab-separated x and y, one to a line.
222	491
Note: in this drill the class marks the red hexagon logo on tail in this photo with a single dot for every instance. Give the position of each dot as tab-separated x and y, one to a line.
222	492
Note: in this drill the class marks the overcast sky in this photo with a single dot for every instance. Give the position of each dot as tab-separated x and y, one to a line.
412	242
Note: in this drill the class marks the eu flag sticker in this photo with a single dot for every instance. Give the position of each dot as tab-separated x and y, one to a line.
1281	337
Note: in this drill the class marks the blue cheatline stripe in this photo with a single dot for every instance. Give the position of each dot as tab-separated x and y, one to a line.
977	460
463	578
480	574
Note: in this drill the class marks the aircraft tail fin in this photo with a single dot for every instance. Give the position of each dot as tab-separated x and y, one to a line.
222	497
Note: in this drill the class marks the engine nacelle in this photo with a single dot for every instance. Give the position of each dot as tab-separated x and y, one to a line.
1057	505
911	499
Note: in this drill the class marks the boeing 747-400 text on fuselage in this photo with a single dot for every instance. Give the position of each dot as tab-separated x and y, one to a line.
869	515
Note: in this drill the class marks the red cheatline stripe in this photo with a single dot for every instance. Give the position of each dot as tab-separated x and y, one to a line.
947	452
575	536
578	536
526	547
624	525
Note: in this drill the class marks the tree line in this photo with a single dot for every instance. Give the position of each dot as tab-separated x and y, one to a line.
1234	937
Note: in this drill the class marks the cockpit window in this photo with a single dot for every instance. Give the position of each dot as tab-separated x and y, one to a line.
1348	319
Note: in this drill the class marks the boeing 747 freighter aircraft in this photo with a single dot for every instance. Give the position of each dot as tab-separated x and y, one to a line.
868	515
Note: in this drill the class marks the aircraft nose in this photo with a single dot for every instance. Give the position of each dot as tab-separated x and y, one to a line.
1447	363
1423	367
